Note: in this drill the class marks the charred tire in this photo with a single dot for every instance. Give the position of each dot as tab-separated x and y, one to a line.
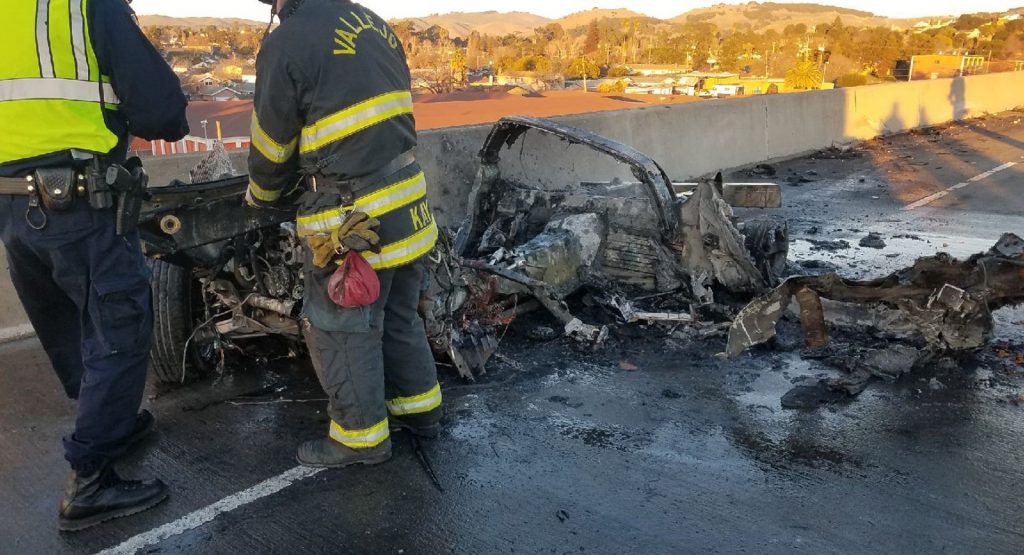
767	241
172	320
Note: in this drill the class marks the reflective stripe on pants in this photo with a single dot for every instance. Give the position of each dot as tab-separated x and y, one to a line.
416	404
360	439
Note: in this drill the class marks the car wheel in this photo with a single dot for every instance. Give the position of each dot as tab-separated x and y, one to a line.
172	321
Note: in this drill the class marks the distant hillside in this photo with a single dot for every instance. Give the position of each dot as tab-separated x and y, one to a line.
461	24
761	16
581	19
167	21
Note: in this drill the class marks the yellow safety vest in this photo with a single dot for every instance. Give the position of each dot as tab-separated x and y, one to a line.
52	94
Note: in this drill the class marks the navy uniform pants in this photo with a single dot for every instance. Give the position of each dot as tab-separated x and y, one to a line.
87	294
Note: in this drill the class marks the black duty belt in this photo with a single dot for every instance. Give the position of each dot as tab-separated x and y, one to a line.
350	187
25	186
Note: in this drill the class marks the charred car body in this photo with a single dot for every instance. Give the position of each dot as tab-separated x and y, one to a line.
224	273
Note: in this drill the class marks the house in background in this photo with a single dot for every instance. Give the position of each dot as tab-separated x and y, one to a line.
939	66
219	93
657	69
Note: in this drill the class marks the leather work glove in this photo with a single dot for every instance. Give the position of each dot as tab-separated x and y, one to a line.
358	233
323	249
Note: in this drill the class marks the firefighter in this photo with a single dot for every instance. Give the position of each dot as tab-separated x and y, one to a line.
77	78
333	109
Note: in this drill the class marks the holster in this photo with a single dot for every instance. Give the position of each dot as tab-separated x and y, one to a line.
129	181
56	187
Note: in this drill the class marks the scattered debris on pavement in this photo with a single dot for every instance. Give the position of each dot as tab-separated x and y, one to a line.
873	241
936	307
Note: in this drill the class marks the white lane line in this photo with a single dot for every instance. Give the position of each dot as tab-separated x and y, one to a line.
205	515
934	197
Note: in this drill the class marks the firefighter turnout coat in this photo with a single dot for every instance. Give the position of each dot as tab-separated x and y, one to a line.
333	100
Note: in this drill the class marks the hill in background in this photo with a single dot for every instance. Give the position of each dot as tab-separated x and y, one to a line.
582	19
461	24
167	21
761	16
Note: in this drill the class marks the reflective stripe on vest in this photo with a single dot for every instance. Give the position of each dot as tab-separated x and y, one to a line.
351	120
57	89
52	95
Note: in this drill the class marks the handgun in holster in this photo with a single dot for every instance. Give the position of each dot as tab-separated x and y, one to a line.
129	182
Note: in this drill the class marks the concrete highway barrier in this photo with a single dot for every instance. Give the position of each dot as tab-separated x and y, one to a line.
689	140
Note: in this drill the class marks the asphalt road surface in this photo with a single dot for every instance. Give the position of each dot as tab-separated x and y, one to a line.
652	446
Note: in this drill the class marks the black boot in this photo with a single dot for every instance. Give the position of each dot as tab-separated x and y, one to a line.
426	425
327	453
102	495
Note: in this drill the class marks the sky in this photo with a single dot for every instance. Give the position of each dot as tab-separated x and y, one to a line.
252	9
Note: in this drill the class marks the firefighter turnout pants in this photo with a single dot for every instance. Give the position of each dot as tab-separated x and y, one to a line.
372	361
86	291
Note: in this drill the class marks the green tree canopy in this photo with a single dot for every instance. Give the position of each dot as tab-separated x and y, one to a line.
804	76
582	68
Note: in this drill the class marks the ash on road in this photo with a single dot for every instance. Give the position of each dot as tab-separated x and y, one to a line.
652	445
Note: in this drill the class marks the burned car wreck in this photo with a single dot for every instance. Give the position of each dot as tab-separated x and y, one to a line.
528	242
224	274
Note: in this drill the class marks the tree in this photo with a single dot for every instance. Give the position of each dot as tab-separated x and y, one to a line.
532	63
457	61
852	80
618	71
583	68
804	76
593	40
616	87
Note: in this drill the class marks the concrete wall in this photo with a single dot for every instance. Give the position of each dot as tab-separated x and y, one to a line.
689	140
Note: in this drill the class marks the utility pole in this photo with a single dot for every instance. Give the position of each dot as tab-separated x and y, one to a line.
585	88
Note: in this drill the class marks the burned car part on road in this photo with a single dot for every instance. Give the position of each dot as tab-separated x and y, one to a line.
939	305
224	273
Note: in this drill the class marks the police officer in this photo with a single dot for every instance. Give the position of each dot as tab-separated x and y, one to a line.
76	78
333	107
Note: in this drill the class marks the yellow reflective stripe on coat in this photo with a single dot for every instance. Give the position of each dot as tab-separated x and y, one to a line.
261	194
360	439
354	119
374	204
404	252
321	222
397	195
270	149
417	404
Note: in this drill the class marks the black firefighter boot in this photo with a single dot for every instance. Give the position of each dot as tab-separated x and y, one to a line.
102	495
426	425
327	453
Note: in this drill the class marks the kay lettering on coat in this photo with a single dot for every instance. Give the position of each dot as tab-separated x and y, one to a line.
421	216
346	36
